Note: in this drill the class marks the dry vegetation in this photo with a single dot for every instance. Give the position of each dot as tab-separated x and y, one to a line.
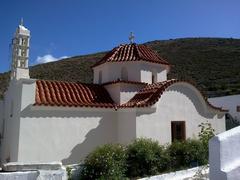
212	63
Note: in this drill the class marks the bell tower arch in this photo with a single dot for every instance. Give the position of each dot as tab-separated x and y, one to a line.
20	52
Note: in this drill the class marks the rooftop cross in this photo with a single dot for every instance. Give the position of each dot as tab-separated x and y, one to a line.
131	37
21	23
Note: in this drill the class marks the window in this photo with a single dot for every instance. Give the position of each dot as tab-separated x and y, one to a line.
23	53
124	74
238	108
178	130
100	77
22	64
24	42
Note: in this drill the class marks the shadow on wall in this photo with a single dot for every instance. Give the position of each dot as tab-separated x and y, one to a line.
196	98
95	137
104	132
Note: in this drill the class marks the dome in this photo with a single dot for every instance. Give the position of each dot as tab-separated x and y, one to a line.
132	52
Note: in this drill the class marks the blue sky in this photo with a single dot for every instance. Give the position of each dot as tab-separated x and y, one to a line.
64	28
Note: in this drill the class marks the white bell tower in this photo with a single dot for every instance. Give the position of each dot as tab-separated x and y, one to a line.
20	53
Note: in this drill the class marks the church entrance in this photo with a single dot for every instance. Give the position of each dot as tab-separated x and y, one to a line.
178	129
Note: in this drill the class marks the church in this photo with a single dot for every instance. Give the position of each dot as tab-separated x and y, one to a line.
130	97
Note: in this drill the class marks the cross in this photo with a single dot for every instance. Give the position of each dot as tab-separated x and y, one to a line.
21	23
131	37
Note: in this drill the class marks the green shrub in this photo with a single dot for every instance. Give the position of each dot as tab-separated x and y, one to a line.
146	157
186	153
69	174
106	162
206	133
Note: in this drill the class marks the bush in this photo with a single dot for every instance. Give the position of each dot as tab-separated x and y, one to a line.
106	162
146	157
206	133
187	154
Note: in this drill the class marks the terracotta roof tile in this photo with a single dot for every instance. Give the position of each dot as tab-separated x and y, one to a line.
132	52
59	93
124	81
151	93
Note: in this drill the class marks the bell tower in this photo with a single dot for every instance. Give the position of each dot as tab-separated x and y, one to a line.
20	53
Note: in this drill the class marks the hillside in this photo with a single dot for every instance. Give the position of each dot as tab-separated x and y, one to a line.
212	63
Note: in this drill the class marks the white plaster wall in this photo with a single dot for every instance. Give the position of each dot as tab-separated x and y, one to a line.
114	92
12	106
188	174
19	95
180	102
23	31
22	73
228	102
1	116
28	92
105	72
127	91
224	157
139	71
112	71
126	125
162	75
122	92
146	76
148	69
64	135
27	175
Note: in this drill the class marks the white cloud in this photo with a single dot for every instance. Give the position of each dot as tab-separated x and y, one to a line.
48	58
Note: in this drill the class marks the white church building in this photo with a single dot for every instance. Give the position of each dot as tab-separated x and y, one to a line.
131	97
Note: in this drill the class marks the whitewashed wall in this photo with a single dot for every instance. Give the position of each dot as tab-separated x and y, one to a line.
188	174
19	94
63	134
1	116
224	156
122	92
43	134
126	125
137	71
12	103
162	75
228	102
114	91
180	102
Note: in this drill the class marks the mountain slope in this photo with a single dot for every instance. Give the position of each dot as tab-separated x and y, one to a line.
212	63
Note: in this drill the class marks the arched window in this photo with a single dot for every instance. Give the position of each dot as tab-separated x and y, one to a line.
124	74
100	77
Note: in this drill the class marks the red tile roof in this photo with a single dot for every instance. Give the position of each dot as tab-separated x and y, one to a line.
151	93
124	81
132	52
59	93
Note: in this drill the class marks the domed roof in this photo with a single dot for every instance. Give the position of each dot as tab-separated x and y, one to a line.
132	52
